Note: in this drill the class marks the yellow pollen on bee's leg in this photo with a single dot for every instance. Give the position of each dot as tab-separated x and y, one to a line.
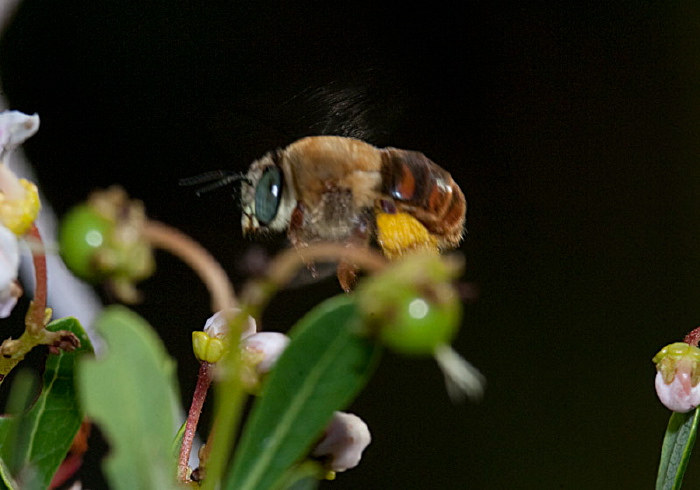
401	233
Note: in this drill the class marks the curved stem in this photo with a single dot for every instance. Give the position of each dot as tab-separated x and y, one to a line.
223	299
194	255
256	295
35	333
284	266
36	320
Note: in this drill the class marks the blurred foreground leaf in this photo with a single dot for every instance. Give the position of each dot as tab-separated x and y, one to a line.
35	443
131	393
675	453
6	481
321	371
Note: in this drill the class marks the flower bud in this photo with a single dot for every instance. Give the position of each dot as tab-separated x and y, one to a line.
9	262
19	198
259	354
211	344
677	376
345	438
15	128
206	348
217	324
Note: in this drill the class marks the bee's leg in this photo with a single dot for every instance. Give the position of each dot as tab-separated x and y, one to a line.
295	233
359	237
347	275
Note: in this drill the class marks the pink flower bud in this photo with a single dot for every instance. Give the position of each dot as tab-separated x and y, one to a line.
346	437
677	377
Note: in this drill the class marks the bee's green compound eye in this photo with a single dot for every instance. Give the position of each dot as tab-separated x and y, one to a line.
268	194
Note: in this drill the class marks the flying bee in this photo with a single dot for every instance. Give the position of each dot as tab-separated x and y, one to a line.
338	189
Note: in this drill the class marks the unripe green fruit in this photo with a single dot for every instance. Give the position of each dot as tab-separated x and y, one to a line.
83	231
418	326
412	306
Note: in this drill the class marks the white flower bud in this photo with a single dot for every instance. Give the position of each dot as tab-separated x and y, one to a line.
346	437
15	128
9	262
263	349
217	326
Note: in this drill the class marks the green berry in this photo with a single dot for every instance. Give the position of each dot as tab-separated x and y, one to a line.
412	306
417	326
83	232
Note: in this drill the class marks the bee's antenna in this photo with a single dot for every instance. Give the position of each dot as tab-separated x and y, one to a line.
215	179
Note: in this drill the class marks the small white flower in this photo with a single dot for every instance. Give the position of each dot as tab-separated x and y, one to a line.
217	326
346	437
15	128
263	349
9	262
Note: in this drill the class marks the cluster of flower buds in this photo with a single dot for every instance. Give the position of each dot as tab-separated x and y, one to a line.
19	204
211	343
346	436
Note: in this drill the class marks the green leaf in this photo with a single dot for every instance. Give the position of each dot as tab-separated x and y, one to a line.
132	394
36	442
6	481
675	453
176	443
304	476
321	371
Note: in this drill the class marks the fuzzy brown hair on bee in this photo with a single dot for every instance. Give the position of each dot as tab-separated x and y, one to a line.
332	188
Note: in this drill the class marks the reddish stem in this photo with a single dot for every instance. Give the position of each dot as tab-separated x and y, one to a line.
40	277
200	394
693	337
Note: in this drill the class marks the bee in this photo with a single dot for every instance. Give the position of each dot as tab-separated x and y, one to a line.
344	190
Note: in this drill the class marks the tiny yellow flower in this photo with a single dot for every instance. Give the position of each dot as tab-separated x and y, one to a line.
19	198
206	348
18	214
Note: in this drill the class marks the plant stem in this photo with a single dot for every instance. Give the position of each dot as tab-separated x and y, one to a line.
228	408
200	394
257	294
693	337
194	255
223	299
13	351
284	266
36	319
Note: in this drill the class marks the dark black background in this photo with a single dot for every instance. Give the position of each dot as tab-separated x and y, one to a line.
573	131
